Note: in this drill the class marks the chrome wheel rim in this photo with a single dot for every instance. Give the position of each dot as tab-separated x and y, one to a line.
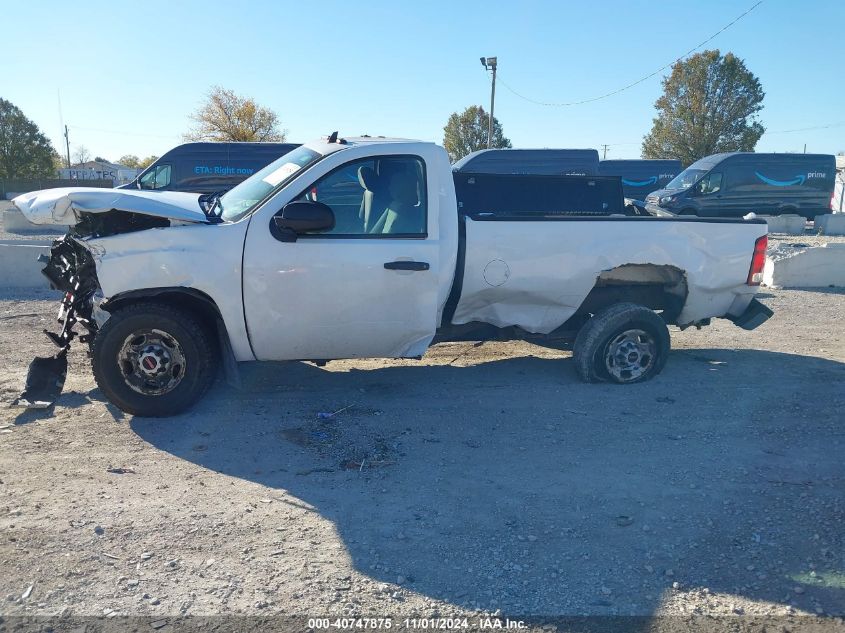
151	362
630	354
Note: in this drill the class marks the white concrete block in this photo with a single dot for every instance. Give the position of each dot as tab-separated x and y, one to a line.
806	267
19	265
788	223
830	224
15	222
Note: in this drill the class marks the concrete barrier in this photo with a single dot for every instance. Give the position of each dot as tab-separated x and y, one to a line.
787	223
806	267
15	222
19	265
830	224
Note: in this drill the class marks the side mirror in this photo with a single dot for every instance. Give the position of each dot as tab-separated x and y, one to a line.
299	217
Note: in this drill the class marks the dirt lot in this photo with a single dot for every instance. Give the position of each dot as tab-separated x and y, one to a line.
483	478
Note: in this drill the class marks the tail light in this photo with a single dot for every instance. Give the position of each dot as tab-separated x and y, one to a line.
758	261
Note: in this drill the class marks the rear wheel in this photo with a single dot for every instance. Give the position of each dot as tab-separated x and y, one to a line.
624	343
153	360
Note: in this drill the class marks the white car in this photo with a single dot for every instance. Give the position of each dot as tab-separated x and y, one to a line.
373	247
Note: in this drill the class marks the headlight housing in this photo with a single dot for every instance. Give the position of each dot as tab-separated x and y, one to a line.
667	200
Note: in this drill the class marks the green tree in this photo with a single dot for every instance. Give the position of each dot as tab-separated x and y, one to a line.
709	105
25	151
226	116
149	160
466	132
129	160
58	162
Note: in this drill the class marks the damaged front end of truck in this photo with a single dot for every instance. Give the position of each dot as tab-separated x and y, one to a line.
71	266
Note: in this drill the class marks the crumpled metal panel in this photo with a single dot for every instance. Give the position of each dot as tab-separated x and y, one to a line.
535	275
62	206
203	257
44	382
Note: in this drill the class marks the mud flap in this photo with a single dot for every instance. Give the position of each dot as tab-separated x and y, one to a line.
44	382
755	315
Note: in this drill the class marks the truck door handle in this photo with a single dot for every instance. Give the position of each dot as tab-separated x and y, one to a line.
405	265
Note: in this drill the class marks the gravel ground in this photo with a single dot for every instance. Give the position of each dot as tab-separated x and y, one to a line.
483	478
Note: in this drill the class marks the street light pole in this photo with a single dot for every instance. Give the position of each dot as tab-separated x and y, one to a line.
490	63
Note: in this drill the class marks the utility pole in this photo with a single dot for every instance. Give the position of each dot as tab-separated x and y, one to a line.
604	154
490	63
67	146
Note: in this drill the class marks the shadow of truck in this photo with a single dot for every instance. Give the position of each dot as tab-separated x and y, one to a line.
510	485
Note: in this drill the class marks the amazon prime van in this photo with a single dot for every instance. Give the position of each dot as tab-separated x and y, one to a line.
737	183
641	177
208	167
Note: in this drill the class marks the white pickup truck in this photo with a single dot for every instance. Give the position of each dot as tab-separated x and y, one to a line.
373	247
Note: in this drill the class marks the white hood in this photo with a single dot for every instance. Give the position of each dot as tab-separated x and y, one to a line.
62	206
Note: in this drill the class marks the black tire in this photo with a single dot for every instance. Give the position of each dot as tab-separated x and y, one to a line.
615	328
185	353
688	211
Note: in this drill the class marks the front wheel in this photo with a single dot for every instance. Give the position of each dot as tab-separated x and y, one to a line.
153	360
624	343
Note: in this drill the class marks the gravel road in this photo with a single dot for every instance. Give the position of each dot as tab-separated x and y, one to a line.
484	478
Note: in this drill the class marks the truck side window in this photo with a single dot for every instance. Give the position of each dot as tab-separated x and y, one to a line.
711	183
383	196
156	178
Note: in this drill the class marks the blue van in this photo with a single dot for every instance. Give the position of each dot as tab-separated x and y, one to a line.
208	167
641	177
733	184
537	162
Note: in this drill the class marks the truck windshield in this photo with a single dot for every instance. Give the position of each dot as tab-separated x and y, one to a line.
240	200
686	178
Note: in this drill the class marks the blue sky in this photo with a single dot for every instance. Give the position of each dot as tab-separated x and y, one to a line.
130	74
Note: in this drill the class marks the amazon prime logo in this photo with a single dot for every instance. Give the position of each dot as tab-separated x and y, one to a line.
639	183
798	180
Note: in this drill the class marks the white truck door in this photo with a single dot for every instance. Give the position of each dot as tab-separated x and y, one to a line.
366	288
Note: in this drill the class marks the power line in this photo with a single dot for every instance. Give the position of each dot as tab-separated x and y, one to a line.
807	129
638	81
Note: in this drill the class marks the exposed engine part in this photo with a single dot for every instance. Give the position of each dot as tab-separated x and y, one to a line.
114	222
70	268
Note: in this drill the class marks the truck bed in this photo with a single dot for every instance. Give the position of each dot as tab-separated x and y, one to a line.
514	272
